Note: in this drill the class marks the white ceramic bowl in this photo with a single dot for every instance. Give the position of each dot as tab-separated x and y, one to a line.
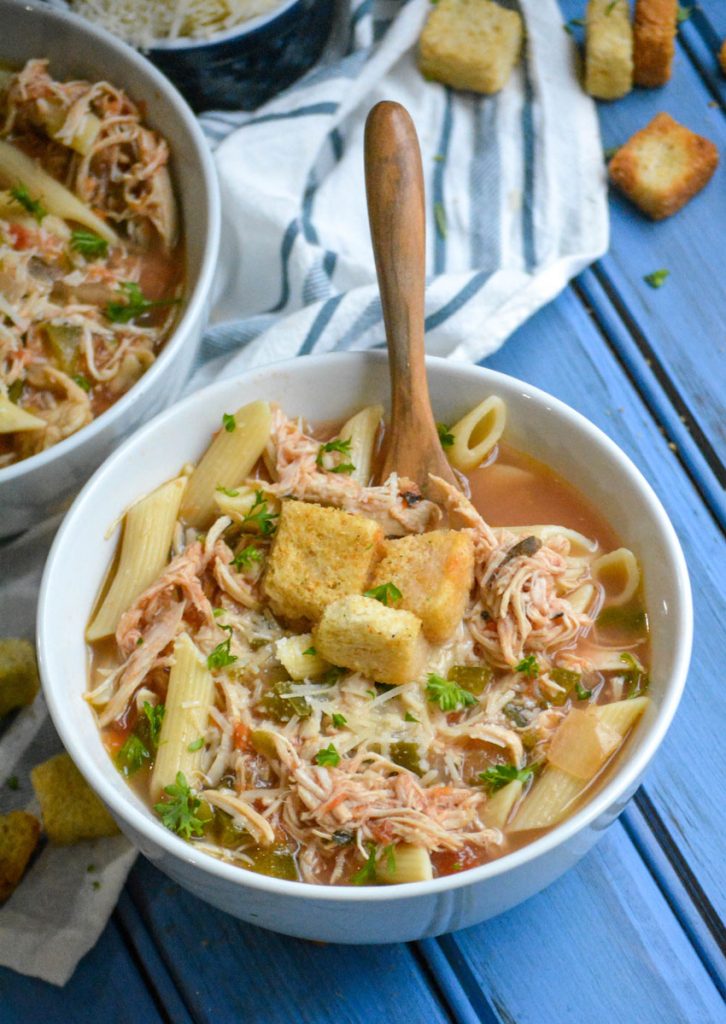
330	387
37	487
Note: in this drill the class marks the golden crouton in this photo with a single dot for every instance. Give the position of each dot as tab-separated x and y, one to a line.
662	166
70	809
19	681
608	49
435	573
470	44
363	634
654	34
19	834
318	555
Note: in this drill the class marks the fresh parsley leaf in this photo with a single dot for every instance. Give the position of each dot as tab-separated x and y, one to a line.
12	782
179	813
196	744
366	874
500	774
228	491
445	436
387	593
448	695
390	853
96	884
89	244
328	757
82	382
683	14
440	219
135	304
221	656
582	693
90	868
155	716
131	756
339	720
408	717
340	446
637	679
657	279
33	206
311	651
528	666
229	422
244	558
260	517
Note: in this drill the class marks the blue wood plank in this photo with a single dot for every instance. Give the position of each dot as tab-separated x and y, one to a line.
599	946
680	324
585	374
106	987
702	36
229	971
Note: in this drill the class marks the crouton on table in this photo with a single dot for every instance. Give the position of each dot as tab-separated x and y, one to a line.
19	681
435	573
70	809
360	633
318	555
470	44
654	34
663	166
608	49
19	834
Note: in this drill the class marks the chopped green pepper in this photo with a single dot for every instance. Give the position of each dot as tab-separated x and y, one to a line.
407	755
474	678
276	861
283	708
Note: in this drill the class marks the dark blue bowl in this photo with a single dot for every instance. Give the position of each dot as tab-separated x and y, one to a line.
243	67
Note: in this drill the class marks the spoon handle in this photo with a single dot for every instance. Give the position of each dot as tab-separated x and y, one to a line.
395	193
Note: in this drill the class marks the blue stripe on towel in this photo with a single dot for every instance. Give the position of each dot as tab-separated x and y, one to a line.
319	324
327	107
291	233
473	285
528	143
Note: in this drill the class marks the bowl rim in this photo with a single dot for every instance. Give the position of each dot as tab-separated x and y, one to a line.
622	781
194	305
244	28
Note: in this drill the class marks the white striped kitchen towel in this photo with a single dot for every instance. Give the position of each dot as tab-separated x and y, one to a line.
516	206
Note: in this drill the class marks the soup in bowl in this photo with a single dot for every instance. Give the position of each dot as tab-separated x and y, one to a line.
304	686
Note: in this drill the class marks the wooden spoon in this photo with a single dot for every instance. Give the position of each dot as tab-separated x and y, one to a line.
395	193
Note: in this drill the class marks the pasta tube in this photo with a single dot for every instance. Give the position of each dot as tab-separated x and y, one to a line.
13	418
16	168
228	460
188	699
499	806
548	800
476	434
619	573
362	430
147	536
407	863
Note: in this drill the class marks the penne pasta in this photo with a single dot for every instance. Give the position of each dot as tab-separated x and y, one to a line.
189	697
619	574
582	744
499	805
238	503
582	598
147	536
228	460
14	418
476	434
362	430
407	863
621	715
548	801
16	168
580	546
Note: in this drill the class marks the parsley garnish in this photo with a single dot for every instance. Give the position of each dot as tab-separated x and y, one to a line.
221	655
229	422
89	244
134	306
367	873
339	721
343	447
657	279
440	218
131	756
311	651
96	884
447	694
639	681
244	559
196	744
179	813
328	757
155	716
500	774
228	491
12	782
33	206
390	852
528	666
387	593
408	717
259	516
582	693
82	382
445	436
683	14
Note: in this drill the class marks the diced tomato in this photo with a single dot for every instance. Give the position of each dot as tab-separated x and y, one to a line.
241	736
21	237
114	738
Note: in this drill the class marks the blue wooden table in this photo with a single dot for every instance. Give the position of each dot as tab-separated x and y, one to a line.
634	933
